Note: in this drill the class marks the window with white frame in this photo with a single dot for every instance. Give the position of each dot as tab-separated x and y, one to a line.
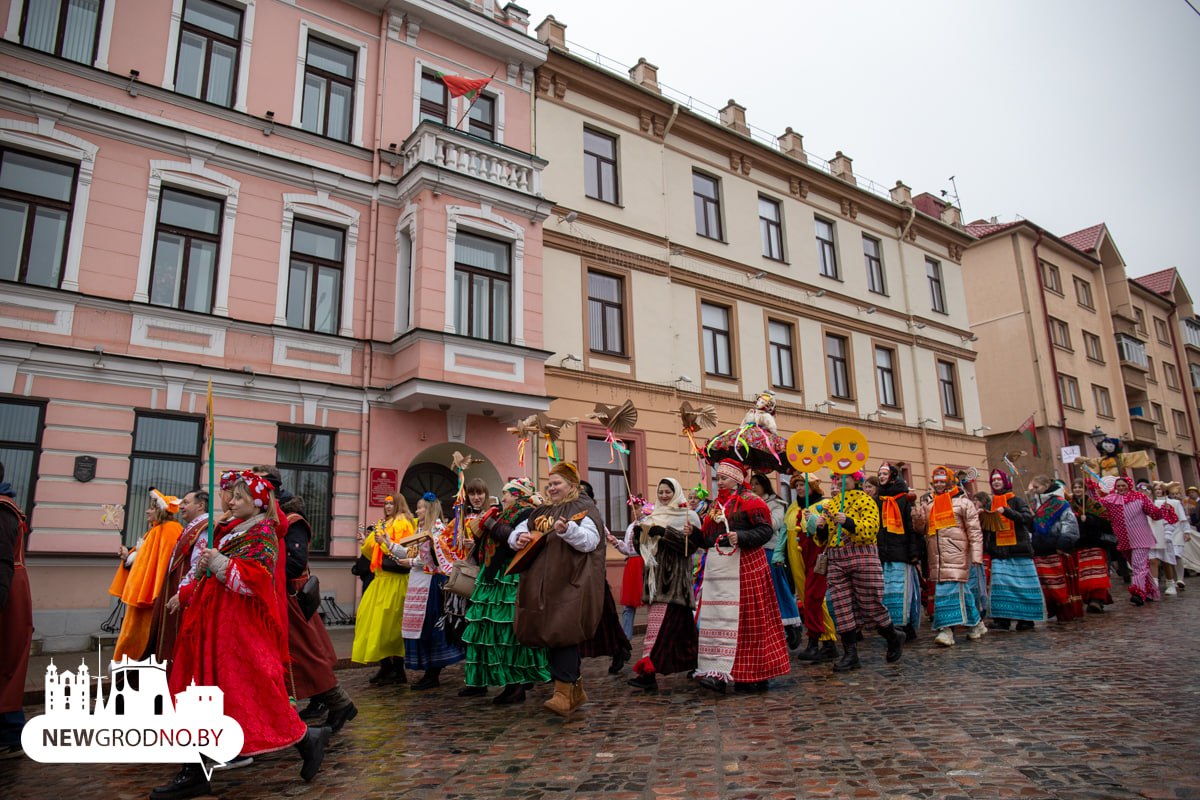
948	388
873	258
937	290
210	36
187	243
1103	401
1069	387
837	366
36	198
329	79
166	455
69	29
21	425
826	249
481	119
1092	346
770	225
482	287
715	327
435	100
783	360
314	290
885	376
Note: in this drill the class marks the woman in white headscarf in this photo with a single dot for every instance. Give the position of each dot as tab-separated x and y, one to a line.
671	640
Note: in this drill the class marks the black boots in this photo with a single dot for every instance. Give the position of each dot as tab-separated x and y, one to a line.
895	643
512	693
188	782
793	635
339	717
618	661
429	680
849	658
647	682
809	653
312	750
1001	624
910	632
391	670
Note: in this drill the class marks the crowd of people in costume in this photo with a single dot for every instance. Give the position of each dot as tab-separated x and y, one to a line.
736	585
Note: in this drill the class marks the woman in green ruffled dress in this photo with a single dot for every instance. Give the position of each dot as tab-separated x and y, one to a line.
494	656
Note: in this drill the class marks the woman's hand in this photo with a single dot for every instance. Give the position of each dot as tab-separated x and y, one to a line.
206	558
731	537
523	539
687	528
380	538
173	604
840	519
123	552
560	526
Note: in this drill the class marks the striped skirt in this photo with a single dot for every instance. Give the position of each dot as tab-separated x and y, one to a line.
1060	586
1015	591
1094	582
953	604
902	593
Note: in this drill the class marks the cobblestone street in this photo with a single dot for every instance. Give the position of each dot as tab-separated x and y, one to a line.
1099	708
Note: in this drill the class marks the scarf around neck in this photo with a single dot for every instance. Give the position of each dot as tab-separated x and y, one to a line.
942	514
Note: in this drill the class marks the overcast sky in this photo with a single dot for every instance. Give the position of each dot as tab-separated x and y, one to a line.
1065	112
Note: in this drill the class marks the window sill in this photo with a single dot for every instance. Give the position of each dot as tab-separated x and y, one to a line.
613	203
711	238
837	278
1064	348
730	377
1087	307
881	294
776	260
606	354
1096	360
1105	416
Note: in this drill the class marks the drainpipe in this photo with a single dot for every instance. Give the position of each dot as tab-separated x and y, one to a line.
912	217
1062	416
1185	381
372	257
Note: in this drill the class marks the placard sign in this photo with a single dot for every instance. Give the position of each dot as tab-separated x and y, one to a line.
1070	454
383	482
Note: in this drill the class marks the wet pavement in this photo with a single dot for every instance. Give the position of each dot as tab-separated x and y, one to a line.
1103	707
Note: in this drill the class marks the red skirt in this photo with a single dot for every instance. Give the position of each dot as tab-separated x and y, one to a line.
631	582
1094	581
1060	586
313	657
761	646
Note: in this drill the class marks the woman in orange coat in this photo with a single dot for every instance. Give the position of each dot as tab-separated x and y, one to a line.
142	573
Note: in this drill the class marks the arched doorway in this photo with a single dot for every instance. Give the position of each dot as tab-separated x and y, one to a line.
430	472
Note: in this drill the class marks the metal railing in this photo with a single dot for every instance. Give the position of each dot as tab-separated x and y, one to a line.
711	112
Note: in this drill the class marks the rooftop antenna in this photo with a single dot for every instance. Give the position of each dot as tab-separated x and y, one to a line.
953	193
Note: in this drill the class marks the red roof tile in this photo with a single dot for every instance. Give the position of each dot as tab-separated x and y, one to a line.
982	230
1161	282
1086	240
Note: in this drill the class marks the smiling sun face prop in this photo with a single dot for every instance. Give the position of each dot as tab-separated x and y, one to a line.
844	450
802	450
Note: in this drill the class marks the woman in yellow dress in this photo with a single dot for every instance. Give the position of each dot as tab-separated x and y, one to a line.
378	632
143	572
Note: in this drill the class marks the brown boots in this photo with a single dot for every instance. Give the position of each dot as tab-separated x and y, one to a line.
567	697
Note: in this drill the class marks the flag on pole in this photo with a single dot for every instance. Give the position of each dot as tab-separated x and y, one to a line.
459	86
1029	431
210	435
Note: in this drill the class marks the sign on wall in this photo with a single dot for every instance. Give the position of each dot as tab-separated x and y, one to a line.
383	482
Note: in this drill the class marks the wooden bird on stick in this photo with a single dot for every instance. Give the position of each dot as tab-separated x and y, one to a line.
618	419
524	428
551	428
460	463
697	418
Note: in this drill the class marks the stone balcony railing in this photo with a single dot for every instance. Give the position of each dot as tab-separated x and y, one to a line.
461	152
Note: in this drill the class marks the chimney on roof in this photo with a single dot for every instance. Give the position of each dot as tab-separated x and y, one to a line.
516	18
552	32
792	144
901	194
643	73
842	166
733	116
951	216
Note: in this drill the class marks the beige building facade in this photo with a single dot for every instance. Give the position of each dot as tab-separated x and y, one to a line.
1068	340
688	259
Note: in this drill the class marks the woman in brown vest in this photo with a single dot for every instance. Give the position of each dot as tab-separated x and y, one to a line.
561	594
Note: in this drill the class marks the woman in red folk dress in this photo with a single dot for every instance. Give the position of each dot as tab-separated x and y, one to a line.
233	637
741	639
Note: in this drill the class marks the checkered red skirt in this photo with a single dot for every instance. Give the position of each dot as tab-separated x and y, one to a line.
761	645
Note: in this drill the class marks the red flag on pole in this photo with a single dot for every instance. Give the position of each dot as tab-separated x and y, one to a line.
1029	431
459	86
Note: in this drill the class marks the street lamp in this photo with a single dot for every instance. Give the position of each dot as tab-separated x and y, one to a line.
1097	436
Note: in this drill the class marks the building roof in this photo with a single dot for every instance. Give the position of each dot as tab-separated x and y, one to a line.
982	229
1161	282
928	204
1086	240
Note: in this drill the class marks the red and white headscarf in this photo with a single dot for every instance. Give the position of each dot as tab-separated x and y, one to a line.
732	469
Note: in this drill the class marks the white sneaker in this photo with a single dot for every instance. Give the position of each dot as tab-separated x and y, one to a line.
1180	585
237	763
945	638
1170	591
977	630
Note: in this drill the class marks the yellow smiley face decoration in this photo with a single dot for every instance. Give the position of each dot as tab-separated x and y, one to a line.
844	451
802	450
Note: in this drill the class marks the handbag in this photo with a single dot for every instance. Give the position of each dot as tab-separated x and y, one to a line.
462	578
309	597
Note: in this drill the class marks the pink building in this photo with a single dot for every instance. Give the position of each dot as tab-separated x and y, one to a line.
283	199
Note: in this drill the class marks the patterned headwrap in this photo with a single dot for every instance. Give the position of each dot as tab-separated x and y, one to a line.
522	487
732	469
1004	476
258	487
942	514
228	478
568	471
